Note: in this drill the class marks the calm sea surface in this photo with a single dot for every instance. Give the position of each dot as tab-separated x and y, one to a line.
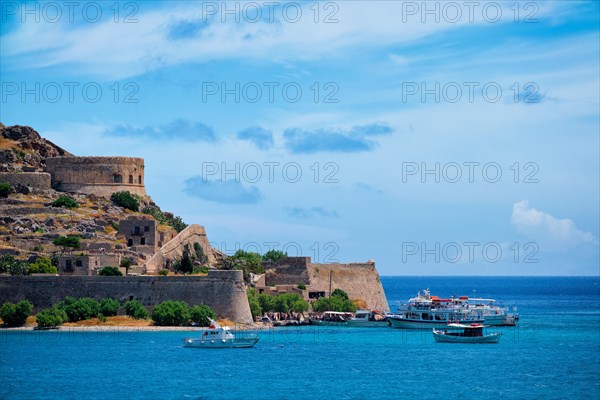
553	354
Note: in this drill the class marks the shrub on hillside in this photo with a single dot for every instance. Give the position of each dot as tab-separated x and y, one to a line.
273	255
15	314
200	315
73	242
51	317
65	201
5	189
109	307
43	265
126	200
110	271
81	309
135	309
171	313
11	265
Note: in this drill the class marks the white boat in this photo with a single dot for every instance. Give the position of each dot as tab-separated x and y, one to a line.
368	319
461	333
360	319
426	311
217	337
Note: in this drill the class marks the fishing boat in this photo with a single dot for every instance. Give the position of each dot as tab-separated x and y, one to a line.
217	337
461	333
426	311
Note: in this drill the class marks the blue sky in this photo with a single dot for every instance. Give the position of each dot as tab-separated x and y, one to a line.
446	141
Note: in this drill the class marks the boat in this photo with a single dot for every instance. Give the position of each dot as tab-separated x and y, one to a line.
461	333
217	337
332	318
426	311
359	319
368	319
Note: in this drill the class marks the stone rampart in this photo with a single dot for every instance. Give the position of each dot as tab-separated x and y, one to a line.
101	176
38	180
173	249
359	280
222	290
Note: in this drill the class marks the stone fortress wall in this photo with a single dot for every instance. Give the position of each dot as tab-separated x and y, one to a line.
37	180
224	291
101	176
359	280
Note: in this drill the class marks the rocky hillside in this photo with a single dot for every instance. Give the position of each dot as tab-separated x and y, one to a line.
23	149
29	222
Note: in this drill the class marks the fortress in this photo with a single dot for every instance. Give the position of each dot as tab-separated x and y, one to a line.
101	176
31	164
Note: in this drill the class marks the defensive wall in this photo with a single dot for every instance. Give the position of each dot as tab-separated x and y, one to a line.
359	280
101	176
38	180
224	291
173	249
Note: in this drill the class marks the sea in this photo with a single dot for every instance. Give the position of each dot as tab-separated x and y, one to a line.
554	353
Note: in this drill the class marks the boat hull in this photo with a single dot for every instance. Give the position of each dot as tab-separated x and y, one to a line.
405	323
443	338
236	343
352	324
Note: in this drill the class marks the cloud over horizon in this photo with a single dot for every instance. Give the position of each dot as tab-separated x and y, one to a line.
260	137
552	233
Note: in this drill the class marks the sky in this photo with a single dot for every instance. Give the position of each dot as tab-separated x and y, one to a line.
435	138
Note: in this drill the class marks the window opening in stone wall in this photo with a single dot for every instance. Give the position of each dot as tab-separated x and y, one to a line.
118	178
130	179
143	241
130	242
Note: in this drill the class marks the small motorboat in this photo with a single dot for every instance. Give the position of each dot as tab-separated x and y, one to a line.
217	337
460	333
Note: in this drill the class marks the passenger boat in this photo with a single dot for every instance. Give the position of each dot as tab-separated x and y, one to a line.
426	311
217	337
460	333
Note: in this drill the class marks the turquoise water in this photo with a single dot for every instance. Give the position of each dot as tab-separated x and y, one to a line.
553	354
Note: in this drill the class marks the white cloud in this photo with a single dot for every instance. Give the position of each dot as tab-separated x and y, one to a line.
118	50
550	232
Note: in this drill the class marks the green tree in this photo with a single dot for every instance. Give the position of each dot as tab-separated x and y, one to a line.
334	303
51	317
126	200
12	265
267	302
187	265
110	271
135	309
171	313
15	314
67	242
65	201
126	263
200	256
255	307
42	265
109	307
246	261
340	293
5	189
273	255
200	315
82	309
